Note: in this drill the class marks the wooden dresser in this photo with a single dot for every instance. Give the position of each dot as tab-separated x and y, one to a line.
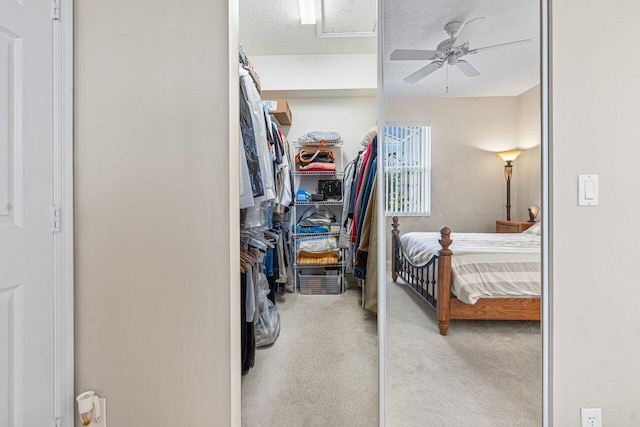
512	226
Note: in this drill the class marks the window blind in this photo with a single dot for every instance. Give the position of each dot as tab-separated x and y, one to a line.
407	170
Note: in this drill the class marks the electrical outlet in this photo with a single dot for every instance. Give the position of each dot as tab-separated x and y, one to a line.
591	417
103	414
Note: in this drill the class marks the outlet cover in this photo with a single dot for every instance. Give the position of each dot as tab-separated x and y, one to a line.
591	417
103	414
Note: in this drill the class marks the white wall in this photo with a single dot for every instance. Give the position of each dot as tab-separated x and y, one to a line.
153	203
317	72
596	321
528	168
351	116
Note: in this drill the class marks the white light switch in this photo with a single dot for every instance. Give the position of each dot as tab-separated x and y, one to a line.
587	190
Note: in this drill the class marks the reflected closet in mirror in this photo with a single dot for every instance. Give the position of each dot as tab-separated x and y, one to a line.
308	109
462	84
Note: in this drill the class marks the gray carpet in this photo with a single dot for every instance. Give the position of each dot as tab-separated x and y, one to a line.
322	371
483	373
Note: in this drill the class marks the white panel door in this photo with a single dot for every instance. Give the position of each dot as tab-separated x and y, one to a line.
26	239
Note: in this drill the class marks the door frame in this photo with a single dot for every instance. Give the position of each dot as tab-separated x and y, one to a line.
62	198
546	210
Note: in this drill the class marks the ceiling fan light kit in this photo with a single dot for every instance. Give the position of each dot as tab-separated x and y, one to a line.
449	51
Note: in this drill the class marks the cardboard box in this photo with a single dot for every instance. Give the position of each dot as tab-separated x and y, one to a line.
280	110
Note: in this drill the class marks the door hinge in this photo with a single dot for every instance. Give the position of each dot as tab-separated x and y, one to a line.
55	215
55	10
57	422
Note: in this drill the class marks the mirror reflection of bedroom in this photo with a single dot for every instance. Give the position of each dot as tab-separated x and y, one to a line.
463	179
308	103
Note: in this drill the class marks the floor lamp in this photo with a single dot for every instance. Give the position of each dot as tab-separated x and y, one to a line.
509	157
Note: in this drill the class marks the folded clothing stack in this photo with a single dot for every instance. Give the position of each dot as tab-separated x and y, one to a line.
320	160
317	250
317	167
299	229
321	138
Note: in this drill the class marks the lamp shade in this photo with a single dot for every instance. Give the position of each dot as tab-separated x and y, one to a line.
533	210
509	156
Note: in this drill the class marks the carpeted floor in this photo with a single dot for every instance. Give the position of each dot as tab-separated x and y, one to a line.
483	373
322	371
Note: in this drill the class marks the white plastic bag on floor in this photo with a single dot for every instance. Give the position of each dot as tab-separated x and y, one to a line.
267	320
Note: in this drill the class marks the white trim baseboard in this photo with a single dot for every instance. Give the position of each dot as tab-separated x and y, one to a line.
63	369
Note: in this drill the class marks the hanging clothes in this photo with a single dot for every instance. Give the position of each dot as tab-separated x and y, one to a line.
369	248
246	191
249	144
364	177
260	134
283	179
365	200
347	181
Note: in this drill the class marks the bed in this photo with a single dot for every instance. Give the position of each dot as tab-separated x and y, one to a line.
492	276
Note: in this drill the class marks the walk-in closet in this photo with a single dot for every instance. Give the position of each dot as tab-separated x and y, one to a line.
308	217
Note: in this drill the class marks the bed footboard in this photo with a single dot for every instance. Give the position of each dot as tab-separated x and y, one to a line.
444	280
432	281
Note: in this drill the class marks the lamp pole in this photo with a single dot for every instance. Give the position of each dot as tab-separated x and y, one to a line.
508	170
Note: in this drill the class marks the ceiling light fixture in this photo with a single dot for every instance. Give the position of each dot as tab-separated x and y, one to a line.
307	12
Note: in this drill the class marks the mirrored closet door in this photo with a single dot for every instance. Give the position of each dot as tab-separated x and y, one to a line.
308	110
461	153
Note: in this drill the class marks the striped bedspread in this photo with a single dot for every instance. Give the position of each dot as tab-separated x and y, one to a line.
484	264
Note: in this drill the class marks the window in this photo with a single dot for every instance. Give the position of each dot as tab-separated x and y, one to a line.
407	167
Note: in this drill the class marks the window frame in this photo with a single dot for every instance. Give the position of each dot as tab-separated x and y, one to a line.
425	169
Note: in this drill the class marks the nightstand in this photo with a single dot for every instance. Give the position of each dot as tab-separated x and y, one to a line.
512	226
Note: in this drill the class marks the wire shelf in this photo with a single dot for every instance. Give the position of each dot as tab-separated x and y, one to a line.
303	235
327	173
324	202
337	264
318	144
320	285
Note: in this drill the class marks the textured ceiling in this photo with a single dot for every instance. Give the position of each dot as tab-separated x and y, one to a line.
417	24
273	28
341	16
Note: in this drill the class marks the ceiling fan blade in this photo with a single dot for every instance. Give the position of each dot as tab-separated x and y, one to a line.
412	55
423	72
467	31
467	68
480	49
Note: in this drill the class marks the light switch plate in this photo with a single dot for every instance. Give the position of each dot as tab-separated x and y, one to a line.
588	190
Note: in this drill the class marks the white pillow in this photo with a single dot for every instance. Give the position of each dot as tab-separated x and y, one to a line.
534	229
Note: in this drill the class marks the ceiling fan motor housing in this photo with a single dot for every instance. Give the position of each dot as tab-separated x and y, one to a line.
445	50
452	27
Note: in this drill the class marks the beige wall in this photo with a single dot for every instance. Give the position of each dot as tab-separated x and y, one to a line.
152	311
528	168
596	324
468	190
152	210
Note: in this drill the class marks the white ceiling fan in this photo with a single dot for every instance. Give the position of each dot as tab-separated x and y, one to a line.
449	51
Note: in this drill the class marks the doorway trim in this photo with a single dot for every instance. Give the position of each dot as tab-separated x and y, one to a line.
62	200
547	188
